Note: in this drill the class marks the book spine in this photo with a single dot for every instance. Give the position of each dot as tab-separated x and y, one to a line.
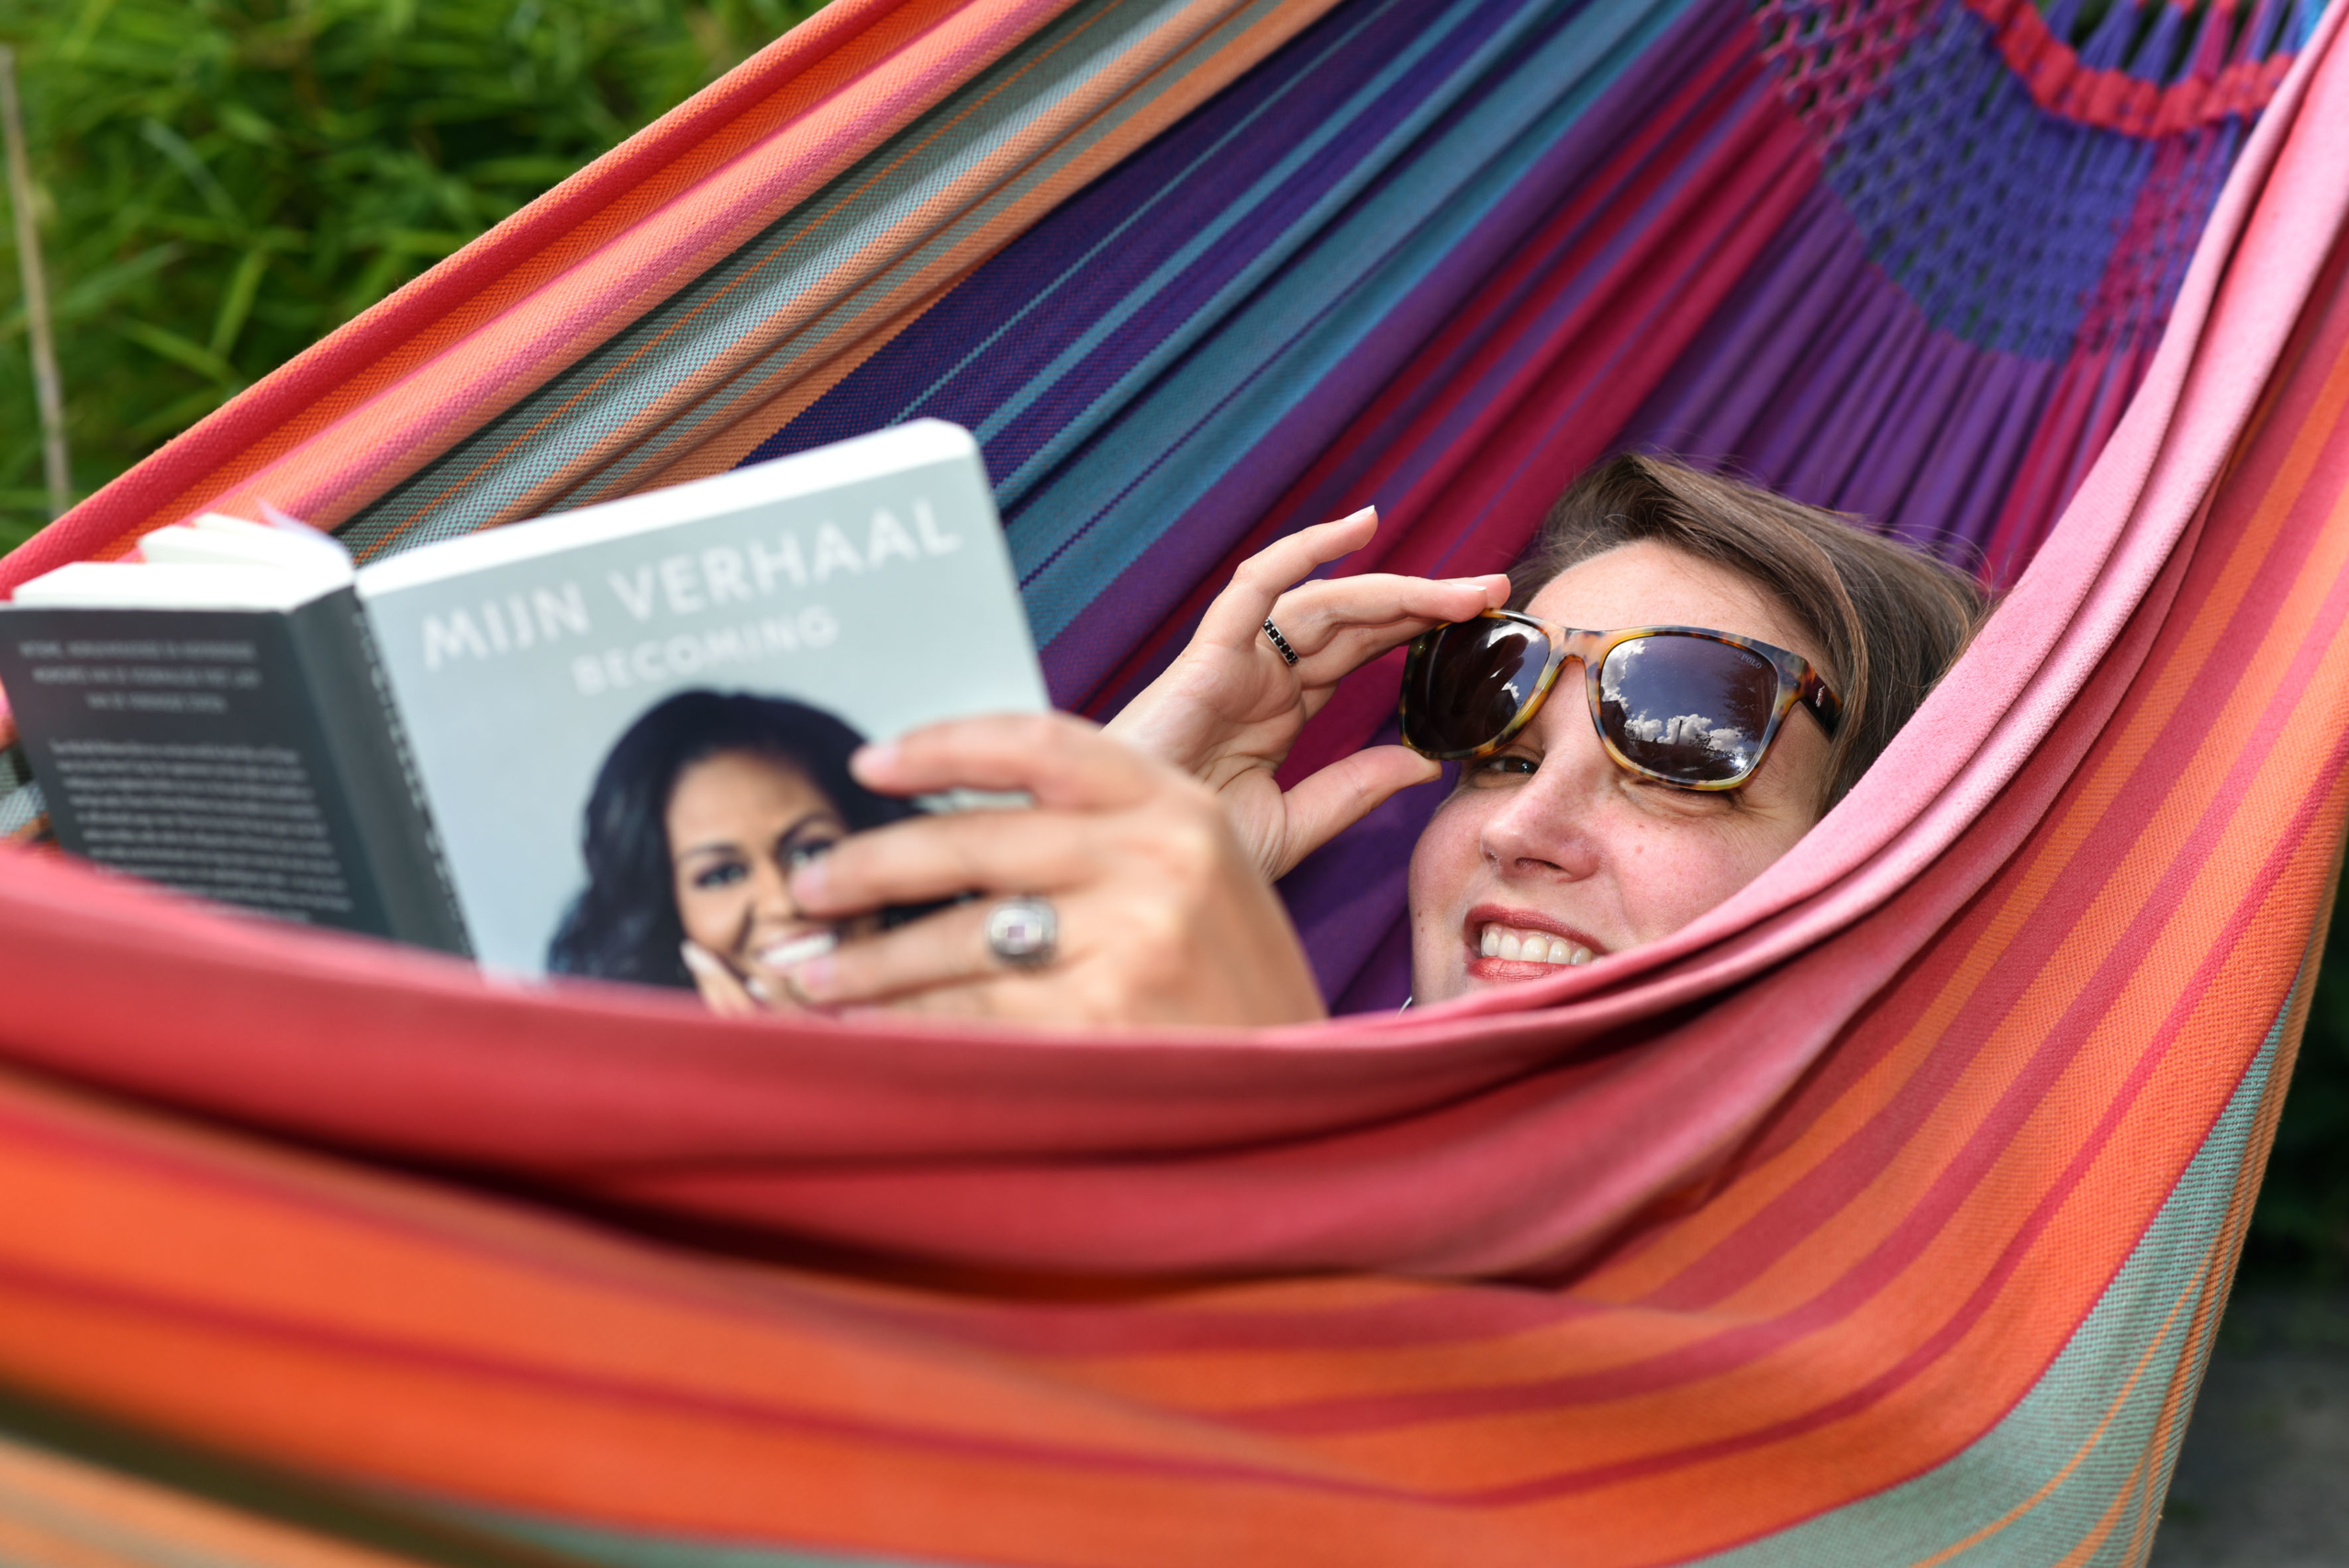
378	774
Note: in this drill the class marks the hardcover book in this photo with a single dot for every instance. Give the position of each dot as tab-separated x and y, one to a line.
482	745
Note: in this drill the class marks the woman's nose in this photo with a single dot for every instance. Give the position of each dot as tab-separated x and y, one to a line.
771	890
1548	825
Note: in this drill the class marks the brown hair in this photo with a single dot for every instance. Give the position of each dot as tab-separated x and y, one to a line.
1888	621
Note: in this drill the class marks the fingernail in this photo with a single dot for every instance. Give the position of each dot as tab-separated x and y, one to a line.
696	960
809	881
757	988
874	758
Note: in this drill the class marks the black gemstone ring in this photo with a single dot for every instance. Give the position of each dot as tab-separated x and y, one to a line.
1279	641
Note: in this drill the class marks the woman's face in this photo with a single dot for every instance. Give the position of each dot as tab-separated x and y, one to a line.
1554	849
738	822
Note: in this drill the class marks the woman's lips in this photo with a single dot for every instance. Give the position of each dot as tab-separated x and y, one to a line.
1519	944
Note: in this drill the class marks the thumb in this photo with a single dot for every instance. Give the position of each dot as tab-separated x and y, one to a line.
1327	802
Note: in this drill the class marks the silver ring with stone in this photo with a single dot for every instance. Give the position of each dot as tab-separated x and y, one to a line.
1280	642
1024	932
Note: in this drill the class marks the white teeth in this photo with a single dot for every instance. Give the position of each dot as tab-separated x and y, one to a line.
799	950
1530	947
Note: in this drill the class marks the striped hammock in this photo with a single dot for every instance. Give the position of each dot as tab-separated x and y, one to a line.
1881	1217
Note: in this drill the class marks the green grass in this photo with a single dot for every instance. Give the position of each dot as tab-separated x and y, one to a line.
2300	1231
223	181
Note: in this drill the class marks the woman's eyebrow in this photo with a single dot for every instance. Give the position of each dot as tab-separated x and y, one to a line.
806	824
708	847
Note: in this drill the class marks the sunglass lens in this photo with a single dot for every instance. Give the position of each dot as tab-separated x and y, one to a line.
1470	679
1687	707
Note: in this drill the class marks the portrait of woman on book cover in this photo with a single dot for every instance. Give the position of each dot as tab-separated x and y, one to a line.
700	812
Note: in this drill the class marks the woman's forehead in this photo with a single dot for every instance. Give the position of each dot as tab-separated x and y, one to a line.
1647	583
736	778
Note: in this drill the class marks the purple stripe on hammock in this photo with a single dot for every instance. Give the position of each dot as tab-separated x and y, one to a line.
1912	427
1312	80
1272	370
1345	898
1467	404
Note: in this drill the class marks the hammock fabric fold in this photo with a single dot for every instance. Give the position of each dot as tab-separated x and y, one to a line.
1883	1216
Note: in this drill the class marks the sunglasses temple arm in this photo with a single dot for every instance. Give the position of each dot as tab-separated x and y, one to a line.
1824	704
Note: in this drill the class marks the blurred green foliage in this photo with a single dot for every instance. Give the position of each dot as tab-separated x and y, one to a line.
223	181
2300	1229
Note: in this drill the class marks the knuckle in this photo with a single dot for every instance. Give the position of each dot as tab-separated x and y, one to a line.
1158	925
1267	566
1188	852
1054	734
1024	730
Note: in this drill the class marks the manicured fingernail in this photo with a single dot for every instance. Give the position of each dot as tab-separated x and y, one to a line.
696	960
757	988
810	881
873	760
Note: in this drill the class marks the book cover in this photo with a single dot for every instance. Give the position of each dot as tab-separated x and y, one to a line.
560	682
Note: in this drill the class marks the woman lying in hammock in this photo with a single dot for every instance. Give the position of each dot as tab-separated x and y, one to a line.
1613	784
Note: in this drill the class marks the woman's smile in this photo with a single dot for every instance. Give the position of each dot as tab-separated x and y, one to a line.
1505	943
738	823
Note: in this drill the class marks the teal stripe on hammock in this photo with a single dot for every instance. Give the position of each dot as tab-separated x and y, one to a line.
1265	191
829	235
646	1552
2056	1422
1176	438
842	323
1079	265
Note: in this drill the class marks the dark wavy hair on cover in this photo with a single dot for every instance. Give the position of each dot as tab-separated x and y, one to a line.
624	924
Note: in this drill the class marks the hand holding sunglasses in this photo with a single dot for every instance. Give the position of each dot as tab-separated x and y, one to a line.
1231	705
1683	705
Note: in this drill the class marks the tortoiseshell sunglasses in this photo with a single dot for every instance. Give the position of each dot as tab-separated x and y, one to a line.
1682	703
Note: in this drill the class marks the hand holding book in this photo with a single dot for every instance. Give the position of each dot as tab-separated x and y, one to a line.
1162	915
479	744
